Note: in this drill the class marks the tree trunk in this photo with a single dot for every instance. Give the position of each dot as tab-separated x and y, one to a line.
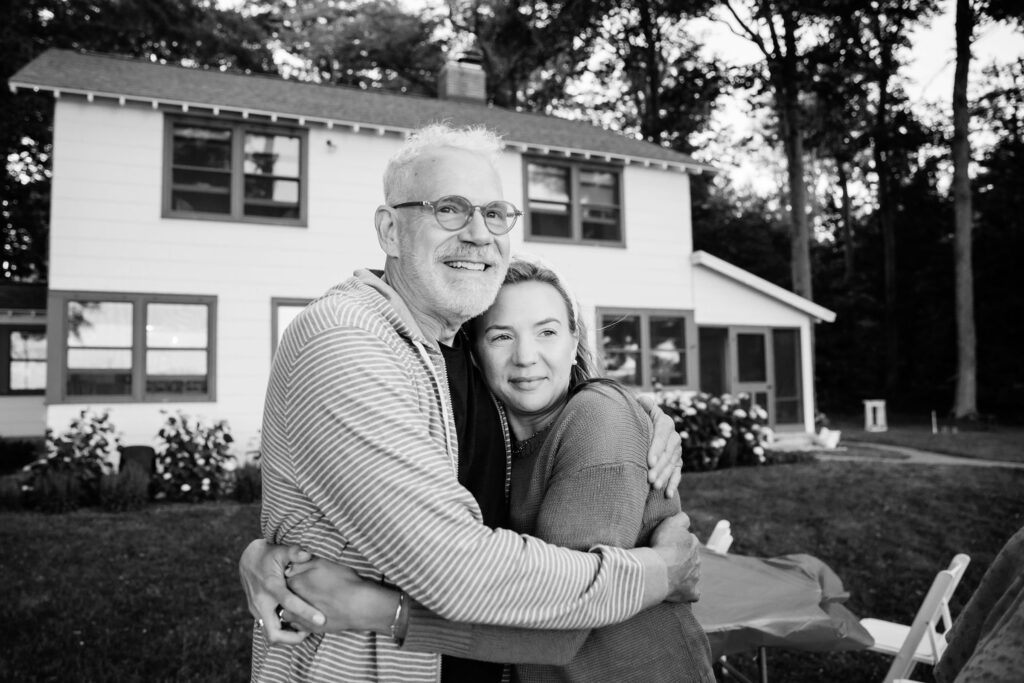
787	92
886	210
844	188
966	402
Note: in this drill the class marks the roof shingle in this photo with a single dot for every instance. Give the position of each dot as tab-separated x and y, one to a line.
67	71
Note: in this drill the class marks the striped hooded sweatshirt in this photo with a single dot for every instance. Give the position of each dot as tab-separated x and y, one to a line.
359	463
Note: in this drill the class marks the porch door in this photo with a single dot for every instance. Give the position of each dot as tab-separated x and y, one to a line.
753	373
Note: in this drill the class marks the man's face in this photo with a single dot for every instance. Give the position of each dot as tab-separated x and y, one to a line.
452	275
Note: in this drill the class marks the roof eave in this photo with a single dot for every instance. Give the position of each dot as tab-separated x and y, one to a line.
819	313
693	168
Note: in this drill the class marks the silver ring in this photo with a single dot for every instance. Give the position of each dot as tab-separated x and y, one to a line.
259	623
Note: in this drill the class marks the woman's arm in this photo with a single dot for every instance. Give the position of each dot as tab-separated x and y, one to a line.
597	495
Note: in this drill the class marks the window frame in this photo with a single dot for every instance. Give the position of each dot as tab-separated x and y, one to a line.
5	352
238	128
57	351
575	208
646	352
275	304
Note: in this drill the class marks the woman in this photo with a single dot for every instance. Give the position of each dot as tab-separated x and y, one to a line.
579	478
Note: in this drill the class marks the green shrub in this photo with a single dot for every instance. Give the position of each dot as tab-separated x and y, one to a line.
124	491
56	491
11	495
69	474
247	483
190	465
718	431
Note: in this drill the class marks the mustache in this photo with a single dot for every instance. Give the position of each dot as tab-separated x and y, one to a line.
488	254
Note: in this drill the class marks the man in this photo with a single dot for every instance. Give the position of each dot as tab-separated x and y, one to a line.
360	460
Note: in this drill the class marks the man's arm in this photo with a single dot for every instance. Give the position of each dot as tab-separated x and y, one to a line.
575	512
392	495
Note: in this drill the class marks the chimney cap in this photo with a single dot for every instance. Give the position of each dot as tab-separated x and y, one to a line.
472	55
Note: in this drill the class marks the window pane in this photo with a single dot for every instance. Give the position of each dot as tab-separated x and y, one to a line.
99	359
203	147
28	345
549	183
750	353
200	202
177	325
601	224
27	375
714	345
181	386
668	350
272	155
106	324
621	348
550	224
272	189
165	362
285	315
599	187
99	383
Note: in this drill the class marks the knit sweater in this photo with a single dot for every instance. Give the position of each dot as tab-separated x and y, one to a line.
581	483
359	467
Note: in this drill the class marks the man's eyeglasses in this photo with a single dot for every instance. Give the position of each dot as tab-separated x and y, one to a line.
454	213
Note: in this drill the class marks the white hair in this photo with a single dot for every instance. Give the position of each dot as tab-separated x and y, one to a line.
475	139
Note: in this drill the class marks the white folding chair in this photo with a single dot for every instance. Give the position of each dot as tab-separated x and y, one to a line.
921	641
720	538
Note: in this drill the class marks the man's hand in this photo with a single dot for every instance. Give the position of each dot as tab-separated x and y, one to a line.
665	457
680	549
262	570
349	602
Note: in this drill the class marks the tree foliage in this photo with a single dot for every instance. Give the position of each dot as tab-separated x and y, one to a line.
188	32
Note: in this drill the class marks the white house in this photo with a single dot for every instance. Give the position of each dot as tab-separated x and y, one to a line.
195	211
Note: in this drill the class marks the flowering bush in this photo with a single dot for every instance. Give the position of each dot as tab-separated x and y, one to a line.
69	474
194	459
718	431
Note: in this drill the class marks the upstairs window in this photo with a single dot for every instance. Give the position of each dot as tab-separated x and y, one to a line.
235	171
570	202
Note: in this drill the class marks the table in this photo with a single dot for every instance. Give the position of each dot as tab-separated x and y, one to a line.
792	601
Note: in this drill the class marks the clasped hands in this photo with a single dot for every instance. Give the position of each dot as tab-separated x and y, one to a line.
317	595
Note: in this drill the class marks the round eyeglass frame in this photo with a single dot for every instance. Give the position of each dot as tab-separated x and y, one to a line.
446	220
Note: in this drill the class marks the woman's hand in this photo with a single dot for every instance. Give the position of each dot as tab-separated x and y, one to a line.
349	602
262	571
680	550
665	457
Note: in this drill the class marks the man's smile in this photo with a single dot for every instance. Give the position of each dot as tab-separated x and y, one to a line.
467	265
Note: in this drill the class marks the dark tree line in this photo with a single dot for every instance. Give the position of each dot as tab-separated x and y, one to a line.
879	244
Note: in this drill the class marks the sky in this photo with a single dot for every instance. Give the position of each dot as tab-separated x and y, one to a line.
929	82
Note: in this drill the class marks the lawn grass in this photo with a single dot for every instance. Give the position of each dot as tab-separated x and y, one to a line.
996	443
154	595
144	596
885	529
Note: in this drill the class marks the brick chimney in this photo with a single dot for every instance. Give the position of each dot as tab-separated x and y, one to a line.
463	79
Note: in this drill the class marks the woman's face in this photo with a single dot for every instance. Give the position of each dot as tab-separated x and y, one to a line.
526	349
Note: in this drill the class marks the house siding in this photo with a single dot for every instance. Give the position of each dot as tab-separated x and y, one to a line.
22	417
108	235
